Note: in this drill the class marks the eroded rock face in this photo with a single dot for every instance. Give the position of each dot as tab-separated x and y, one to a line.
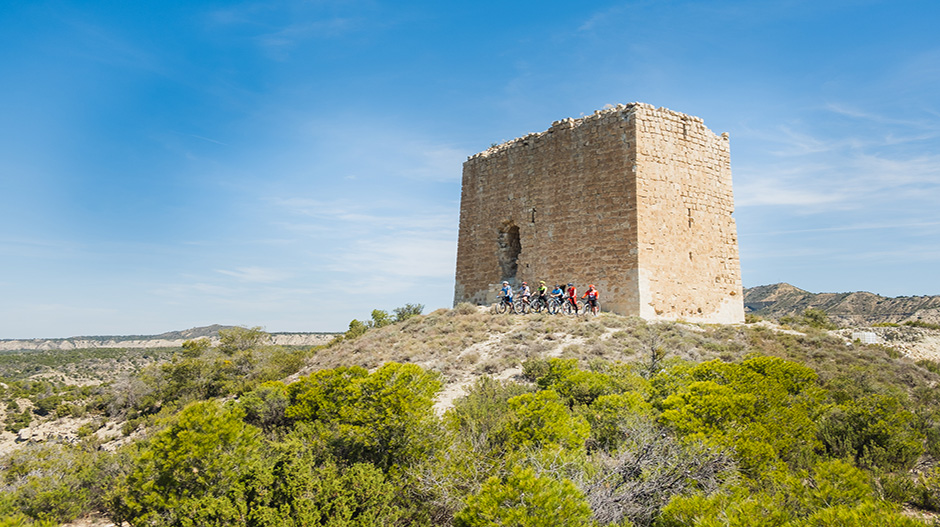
914	343
846	309
281	339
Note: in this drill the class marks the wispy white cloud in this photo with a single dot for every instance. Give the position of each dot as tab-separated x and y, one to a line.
281	27
293	34
379	215
862	167
201	138
853	112
406	255
256	274
378	147
855	227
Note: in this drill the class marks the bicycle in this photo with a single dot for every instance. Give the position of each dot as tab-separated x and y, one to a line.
521	306
539	304
573	309
505	304
589	311
555	305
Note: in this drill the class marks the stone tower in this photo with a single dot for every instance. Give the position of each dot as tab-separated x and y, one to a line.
634	199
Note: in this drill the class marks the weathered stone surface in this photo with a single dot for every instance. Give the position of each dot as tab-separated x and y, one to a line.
634	199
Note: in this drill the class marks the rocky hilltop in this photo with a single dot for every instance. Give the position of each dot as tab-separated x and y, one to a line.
170	339
847	309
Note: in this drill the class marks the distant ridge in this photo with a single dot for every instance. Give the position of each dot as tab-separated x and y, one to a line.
170	339
858	308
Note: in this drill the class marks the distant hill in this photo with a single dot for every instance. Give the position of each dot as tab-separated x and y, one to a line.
170	339
858	308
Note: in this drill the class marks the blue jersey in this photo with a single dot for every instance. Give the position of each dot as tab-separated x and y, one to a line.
507	291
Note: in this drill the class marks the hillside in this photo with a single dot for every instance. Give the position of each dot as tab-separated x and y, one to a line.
847	309
620	367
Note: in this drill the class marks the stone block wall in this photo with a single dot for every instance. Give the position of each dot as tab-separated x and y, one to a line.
633	199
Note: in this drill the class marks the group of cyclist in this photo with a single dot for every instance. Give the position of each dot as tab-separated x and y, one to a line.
564	297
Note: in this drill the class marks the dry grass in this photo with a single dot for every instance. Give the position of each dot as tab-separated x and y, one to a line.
466	342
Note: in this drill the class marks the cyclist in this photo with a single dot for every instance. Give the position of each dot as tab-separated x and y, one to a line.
591	294
541	297
573	297
543	292
558	298
524	292
507	293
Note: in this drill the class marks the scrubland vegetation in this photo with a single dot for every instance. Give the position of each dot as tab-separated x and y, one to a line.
612	421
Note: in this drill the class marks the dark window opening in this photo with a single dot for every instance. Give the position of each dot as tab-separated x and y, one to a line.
508	251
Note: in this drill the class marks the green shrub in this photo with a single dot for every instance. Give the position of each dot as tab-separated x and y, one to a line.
812	317
47	405
921	324
55	482
930	365
541	420
265	406
15	422
876	430
194	348
834	493
525	500
610	416
185	474
764	408
385	417
297	490
926	493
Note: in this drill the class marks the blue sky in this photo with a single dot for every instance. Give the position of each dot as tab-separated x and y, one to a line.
296	164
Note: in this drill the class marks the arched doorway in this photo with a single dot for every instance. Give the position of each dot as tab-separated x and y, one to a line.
508	249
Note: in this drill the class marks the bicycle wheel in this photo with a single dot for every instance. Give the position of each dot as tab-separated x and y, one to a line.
501	307
521	306
586	310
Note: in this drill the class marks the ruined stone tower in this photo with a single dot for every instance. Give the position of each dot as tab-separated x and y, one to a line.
634	199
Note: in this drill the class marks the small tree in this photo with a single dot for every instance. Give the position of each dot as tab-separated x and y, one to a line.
356	328
380	318
407	311
240	339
